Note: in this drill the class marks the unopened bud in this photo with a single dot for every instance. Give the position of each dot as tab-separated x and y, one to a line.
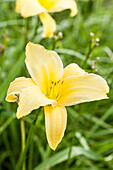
98	58
91	34
91	40
96	70
93	64
54	31
96	44
60	34
54	37
97	40
90	55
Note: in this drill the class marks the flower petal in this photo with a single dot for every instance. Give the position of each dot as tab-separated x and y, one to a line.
29	8
84	88
65	4
73	70
19	4
16	86
55	122
31	98
48	23
43	65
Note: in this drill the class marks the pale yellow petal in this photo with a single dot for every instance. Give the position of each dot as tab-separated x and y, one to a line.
31	98
43	65
19	4
84	88
48	24
73	70
61	5
29	8
55	122
16	86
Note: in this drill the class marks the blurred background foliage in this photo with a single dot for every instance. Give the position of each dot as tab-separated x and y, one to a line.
88	140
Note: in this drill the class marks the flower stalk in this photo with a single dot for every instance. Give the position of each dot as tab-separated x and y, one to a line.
22	127
92	45
22	157
42	9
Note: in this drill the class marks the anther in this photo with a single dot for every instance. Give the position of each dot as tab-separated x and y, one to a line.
62	81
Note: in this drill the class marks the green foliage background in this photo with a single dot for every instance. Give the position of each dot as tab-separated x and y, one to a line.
88	140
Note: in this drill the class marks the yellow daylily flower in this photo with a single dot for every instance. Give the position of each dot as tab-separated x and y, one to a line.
54	88
29	8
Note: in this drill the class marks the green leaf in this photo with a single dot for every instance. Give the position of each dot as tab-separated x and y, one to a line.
7	123
71	52
63	156
12	22
13	73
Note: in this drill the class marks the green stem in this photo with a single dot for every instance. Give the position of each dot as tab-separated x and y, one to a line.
54	44
36	27
28	141
27	30
2	61
87	56
2	65
22	126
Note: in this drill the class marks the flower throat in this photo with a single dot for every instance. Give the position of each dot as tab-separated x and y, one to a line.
54	90
47	4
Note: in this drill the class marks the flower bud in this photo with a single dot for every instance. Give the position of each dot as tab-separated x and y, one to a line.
98	58
90	55
96	44
60	34
92	34
55	37
97	40
91	40
93	64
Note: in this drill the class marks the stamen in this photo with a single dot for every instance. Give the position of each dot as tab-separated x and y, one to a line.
62	82
55	89
58	81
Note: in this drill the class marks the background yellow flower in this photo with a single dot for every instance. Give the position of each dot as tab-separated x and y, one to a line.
29	8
